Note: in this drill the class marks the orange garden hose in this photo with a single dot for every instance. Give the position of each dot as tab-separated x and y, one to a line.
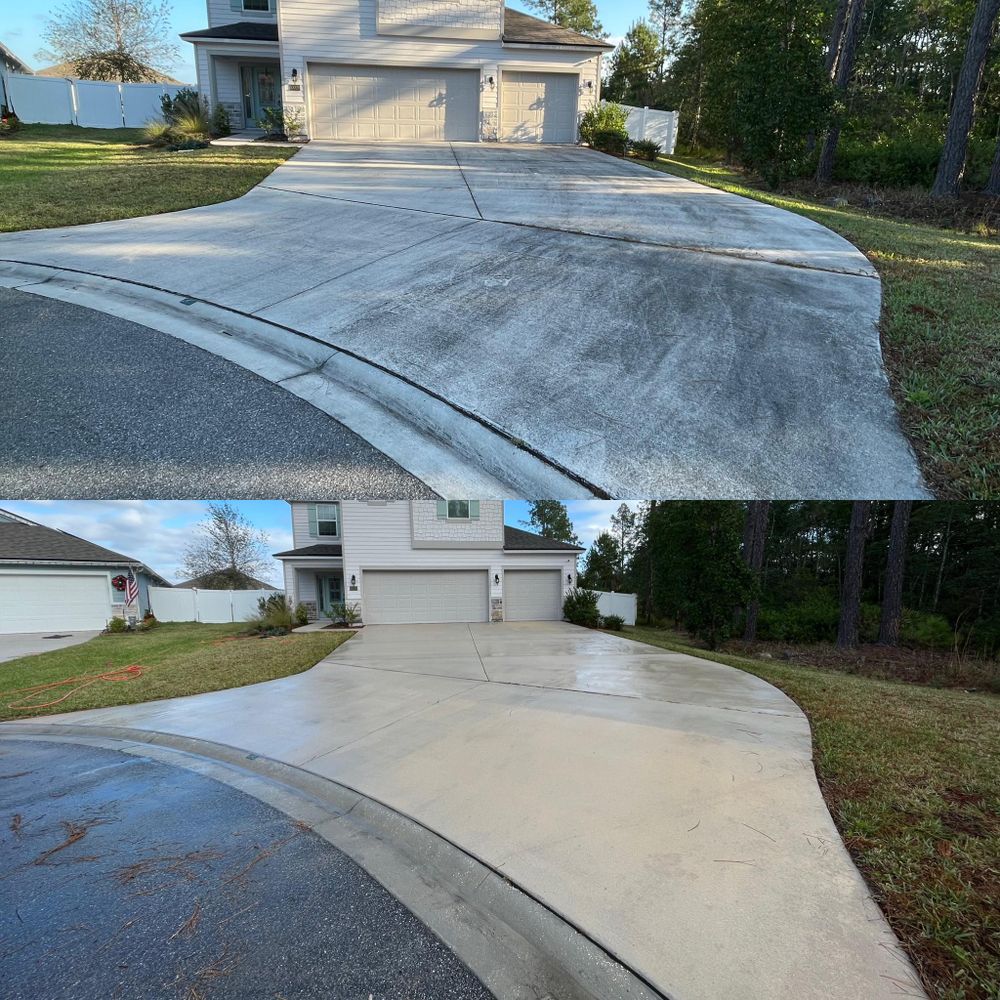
129	673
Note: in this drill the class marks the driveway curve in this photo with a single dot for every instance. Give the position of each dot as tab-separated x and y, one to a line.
651	336
665	805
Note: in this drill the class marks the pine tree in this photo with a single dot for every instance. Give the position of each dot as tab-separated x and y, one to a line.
550	518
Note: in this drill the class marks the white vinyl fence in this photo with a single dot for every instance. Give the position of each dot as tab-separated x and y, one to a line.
181	604
54	100
623	605
658	126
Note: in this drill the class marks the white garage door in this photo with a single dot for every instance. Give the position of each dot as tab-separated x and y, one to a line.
538	107
382	102
532	595
397	598
44	602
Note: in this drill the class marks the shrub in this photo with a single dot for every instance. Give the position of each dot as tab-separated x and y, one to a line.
929	631
158	133
813	620
9	122
344	614
301	614
274	616
191	126
219	124
293	120
614	623
580	608
605	117
645	149
611	141
186	101
117	625
272	123
148	622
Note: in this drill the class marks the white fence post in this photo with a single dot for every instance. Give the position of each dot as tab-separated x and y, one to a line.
657	126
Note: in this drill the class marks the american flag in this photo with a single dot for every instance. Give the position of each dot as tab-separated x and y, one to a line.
131	588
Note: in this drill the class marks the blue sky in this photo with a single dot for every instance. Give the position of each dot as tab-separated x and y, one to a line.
23	23
158	531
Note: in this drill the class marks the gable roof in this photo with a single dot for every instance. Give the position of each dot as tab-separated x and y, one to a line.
521	28
17	64
22	540
68	71
516	540
244	31
210	581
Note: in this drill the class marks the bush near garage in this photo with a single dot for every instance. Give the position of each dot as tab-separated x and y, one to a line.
645	149
613	623
605	117
611	141
275	616
580	608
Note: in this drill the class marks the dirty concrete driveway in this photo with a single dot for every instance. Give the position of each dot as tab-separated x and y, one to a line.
124	876
664	804
652	336
14	645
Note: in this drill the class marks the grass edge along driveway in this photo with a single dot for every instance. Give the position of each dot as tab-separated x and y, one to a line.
64	175
940	336
177	658
909	774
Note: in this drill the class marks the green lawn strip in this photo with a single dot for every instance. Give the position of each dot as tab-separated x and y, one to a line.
939	326
61	175
910	775
178	659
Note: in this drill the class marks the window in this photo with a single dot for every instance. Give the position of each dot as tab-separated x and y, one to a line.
264	5
324	520
459	510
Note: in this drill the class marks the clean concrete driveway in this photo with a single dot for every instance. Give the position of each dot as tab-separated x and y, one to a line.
652	336
664	804
17	644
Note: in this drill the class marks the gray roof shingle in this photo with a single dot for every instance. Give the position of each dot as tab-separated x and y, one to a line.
244	31
516	540
322	549
523	28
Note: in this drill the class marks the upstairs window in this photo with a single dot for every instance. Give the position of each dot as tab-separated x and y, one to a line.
458	510
324	520
259	5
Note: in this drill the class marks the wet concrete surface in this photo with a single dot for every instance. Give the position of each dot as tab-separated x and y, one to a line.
125	877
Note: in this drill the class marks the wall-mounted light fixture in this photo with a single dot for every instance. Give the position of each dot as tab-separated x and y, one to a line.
496	579
569	577
295	75
354	582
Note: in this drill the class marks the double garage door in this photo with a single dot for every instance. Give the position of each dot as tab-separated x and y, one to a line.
398	597
415	104
45	602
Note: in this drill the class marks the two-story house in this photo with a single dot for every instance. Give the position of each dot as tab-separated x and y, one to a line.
411	70
408	561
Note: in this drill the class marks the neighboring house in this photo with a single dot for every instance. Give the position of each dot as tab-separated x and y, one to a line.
402	561
224	579
399	69
9	63
53	581
68	71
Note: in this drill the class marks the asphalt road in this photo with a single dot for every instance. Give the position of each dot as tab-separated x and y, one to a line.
95	406
125	877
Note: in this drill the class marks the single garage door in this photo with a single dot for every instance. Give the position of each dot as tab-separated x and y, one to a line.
532	595
46	602
383	102
538	107
415	596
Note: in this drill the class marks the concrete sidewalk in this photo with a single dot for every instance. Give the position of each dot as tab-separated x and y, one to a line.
665	805
648	335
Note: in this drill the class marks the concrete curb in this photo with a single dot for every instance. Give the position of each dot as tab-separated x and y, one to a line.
517	946
449	449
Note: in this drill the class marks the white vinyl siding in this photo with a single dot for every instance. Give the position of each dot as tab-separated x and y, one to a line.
532	595
51	602
231	11
395	103
538	107
425	596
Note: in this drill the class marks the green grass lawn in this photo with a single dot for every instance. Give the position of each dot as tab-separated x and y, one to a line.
178	659
940	329
912	777
61	175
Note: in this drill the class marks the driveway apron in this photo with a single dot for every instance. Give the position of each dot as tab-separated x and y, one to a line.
664	804
652	336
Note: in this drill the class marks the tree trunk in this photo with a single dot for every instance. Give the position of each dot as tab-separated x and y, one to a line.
842	77
993	184
836	36
951	166
895	567
850	593
754	540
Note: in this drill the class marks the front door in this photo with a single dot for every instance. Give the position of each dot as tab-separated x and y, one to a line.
260	90
330	591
